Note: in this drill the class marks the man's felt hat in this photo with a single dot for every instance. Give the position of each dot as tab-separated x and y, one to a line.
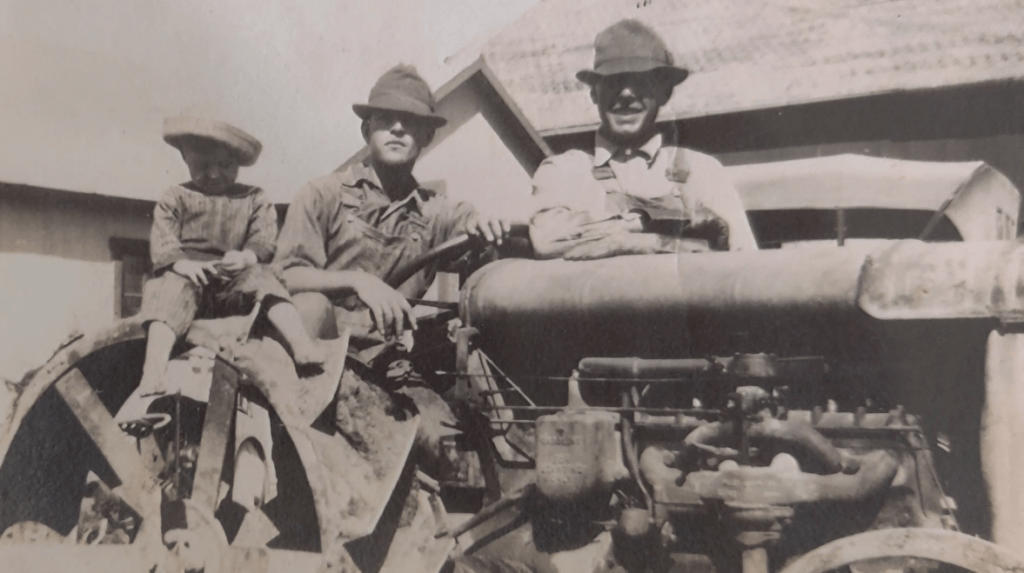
179	129
631	46
402	89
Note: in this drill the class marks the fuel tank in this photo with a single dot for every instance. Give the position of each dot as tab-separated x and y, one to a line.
820	300
815	298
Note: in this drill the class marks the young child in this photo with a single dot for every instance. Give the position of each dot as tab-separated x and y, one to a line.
210	240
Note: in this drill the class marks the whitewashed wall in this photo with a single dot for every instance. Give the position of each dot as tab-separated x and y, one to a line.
479	168
42	300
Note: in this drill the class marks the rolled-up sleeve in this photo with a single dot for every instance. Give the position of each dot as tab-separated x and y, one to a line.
303	237
262	236
165	247
565	200
550	207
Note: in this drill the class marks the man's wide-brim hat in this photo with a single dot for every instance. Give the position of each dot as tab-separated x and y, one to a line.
401	89
630	46
180	129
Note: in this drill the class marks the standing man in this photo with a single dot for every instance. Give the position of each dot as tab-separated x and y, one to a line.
637	193
346	233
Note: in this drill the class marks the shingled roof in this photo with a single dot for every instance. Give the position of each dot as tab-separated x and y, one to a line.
747	55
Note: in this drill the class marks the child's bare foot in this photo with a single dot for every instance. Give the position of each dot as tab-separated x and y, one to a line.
151	385
136	406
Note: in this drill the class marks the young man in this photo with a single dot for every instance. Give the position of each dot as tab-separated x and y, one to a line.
621	199
346	233
210	242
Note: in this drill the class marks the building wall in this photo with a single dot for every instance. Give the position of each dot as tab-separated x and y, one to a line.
477	167
477	154
45	299
66	224
58	271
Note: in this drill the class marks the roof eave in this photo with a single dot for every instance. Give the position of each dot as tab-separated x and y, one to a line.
592	126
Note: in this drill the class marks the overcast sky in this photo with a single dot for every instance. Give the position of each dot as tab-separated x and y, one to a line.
84	85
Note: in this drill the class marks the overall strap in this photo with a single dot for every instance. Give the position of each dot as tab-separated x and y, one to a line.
604	175
616	201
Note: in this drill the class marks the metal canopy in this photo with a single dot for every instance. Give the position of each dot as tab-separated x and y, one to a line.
980	201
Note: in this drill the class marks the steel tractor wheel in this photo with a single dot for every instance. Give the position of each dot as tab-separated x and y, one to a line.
215	479
899	545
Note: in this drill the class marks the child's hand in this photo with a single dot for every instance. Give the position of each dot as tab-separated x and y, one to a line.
197	271
235	262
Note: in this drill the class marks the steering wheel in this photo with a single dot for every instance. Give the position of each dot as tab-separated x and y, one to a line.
451	249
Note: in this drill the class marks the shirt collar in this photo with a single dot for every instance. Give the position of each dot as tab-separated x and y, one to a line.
363	173
604	150
414	199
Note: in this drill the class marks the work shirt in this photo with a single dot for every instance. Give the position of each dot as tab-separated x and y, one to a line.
345	221
190	224
569	194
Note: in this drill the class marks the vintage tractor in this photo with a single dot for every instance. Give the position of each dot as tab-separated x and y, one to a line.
845	397
237	467
848	396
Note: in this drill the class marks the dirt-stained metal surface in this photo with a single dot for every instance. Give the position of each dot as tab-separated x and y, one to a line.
940	545
35	383
898	280
350	483
53	558
520	290
914	280
405	539
298	403
139	487
352	471
216	436
1002	426
351	475
29	532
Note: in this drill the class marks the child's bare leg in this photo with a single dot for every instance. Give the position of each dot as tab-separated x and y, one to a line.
285	318
159	343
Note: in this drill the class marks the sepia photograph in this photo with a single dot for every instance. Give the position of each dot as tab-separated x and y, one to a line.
511	286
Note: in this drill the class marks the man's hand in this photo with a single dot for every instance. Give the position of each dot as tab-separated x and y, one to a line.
491	229
197	271
710	227
389	308
633	244
235	262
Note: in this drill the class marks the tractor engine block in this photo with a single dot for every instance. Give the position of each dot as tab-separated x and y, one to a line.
768	477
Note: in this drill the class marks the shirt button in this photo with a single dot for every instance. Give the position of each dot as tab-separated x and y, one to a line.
415	237
629	152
